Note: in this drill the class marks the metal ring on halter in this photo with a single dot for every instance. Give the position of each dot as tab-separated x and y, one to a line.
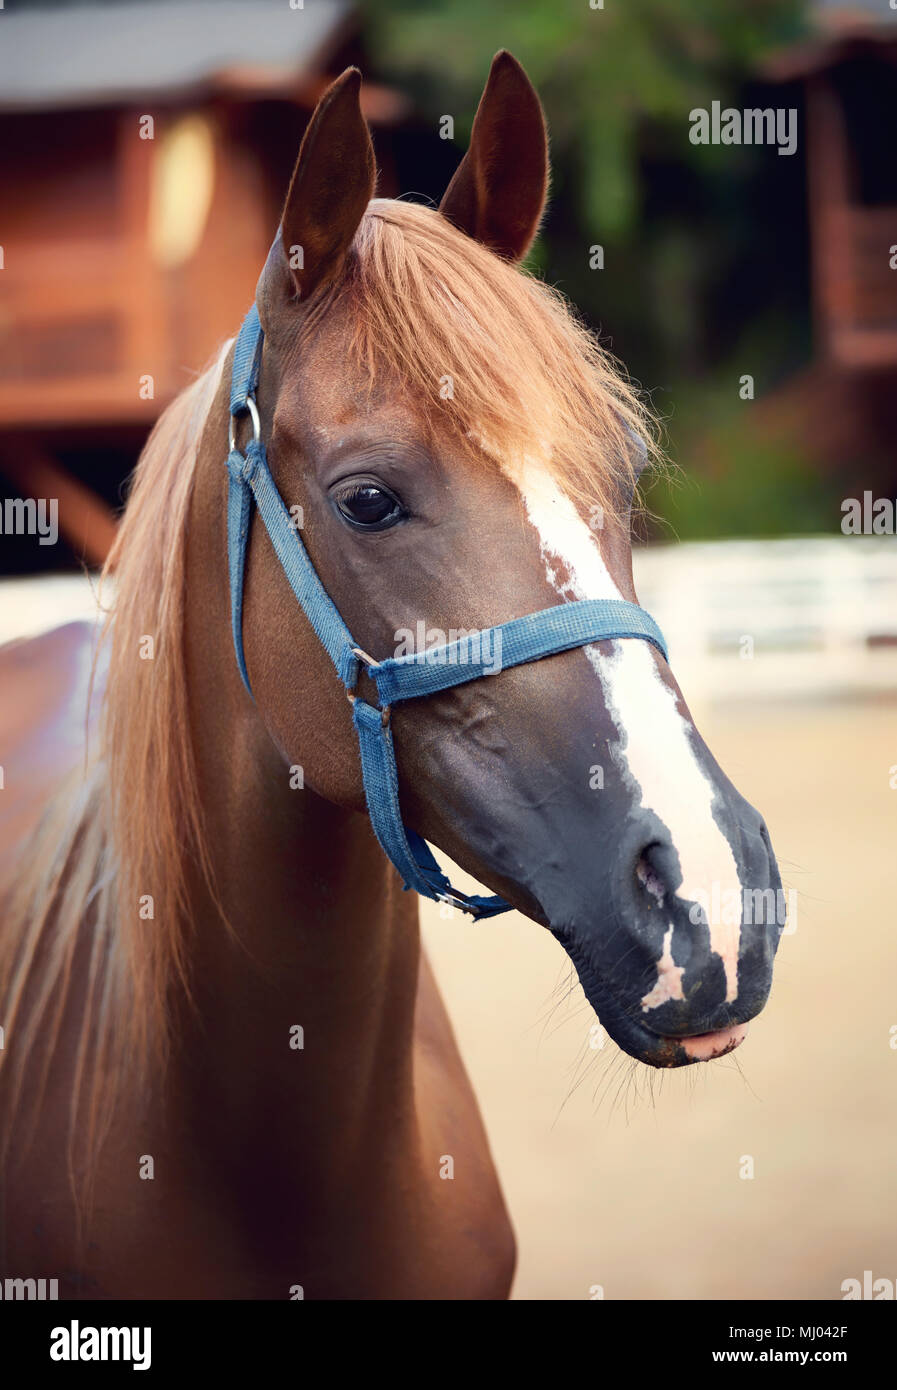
370	662
256	424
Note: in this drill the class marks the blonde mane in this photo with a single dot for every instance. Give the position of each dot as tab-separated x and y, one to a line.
113	845
496	356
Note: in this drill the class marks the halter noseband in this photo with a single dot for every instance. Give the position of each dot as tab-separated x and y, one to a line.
408	677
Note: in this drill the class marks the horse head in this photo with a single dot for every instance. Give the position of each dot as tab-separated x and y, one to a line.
460	452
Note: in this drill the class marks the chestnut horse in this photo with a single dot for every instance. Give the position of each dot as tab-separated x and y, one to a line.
227	1071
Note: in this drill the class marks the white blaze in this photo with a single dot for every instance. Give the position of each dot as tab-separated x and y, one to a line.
654	748
669	977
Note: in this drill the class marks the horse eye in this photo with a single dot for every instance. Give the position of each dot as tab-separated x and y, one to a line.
369	506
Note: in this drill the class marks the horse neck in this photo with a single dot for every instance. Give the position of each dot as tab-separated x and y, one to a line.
323	937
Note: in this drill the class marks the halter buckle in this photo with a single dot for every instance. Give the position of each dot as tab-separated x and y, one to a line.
455	898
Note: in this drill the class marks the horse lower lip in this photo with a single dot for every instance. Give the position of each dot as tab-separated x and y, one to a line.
701	1047
634	1037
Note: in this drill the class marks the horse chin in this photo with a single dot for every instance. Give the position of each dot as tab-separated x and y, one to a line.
641	1042
657	1050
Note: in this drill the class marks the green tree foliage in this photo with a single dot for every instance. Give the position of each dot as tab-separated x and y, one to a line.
599	71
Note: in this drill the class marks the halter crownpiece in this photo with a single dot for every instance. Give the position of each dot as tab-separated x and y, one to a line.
537	635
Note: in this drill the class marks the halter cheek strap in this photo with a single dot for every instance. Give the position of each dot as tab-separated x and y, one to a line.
475	656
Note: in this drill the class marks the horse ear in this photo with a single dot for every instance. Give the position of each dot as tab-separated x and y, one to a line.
498	192
332	184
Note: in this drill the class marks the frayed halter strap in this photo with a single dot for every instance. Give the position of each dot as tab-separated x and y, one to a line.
395	678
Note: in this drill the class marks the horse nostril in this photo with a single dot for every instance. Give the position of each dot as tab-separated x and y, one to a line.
650	879
657	870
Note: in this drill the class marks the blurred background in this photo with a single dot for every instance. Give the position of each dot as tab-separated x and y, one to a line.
145	149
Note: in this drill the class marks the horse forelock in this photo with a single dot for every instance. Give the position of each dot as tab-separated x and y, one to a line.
491	352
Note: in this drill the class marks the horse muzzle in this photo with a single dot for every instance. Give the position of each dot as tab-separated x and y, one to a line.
675	981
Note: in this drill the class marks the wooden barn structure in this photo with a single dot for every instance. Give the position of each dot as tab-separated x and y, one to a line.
849	74
147	147
846	71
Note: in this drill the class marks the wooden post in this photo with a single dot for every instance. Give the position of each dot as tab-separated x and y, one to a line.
828	171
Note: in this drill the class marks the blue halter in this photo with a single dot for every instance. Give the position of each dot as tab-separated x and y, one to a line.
397	678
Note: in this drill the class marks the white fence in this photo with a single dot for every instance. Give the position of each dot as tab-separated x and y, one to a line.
33	605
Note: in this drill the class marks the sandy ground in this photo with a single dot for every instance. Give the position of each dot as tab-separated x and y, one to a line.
630	1179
